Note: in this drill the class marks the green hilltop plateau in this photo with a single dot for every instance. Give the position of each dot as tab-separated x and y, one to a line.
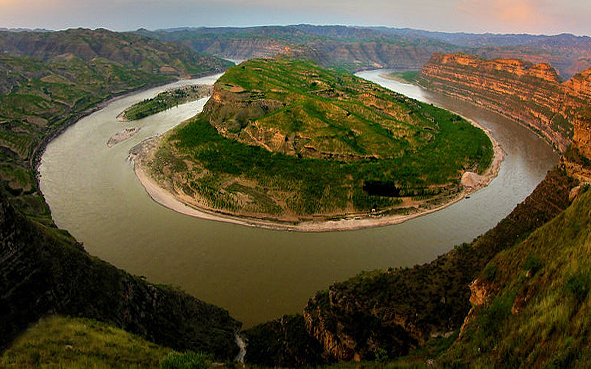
287	140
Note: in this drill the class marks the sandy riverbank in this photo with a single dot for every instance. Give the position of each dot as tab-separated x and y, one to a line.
124	135
140	154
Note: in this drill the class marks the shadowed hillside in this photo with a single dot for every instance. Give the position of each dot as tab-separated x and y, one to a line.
45	271
49	80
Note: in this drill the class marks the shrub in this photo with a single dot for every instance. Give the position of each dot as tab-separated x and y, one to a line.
489	272
578	285
532	264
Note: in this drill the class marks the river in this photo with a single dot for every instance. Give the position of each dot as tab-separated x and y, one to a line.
257	274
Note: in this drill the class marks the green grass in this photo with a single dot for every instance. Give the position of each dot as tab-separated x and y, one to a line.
406	76
59	342
546	278
364	133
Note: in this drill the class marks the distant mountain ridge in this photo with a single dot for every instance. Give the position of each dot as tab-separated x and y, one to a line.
357	48
127	49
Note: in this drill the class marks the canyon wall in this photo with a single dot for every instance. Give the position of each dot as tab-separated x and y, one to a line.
532	94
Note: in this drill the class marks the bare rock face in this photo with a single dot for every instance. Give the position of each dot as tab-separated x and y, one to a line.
283	342
582	136
523	91
231	109
479	292
349	331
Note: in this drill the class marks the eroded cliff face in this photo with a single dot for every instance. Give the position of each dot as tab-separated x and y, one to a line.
578	89
528	93
399	309
582	136
234	111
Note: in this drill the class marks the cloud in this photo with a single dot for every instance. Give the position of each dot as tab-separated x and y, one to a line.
512	13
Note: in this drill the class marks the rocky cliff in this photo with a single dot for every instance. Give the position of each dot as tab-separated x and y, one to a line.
390	312
578	89
529	93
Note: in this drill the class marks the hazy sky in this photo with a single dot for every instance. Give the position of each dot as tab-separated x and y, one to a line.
479	16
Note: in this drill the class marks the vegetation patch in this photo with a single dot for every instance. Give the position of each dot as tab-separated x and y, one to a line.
409	76
539	318
166	100
59	342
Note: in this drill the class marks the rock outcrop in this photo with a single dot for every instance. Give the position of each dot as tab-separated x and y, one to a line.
525	92
394	311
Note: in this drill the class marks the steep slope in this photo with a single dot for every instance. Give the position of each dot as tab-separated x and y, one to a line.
389	313
397	310
534	304
526	92
44	271
81	343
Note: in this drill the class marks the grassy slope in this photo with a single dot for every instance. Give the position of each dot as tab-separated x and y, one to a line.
539	311
58	342
422	150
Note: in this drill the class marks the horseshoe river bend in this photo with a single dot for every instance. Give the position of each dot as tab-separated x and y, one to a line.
257	274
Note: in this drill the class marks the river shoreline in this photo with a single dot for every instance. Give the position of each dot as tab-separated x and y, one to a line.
168	198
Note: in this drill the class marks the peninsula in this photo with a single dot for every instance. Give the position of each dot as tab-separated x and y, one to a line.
285	144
